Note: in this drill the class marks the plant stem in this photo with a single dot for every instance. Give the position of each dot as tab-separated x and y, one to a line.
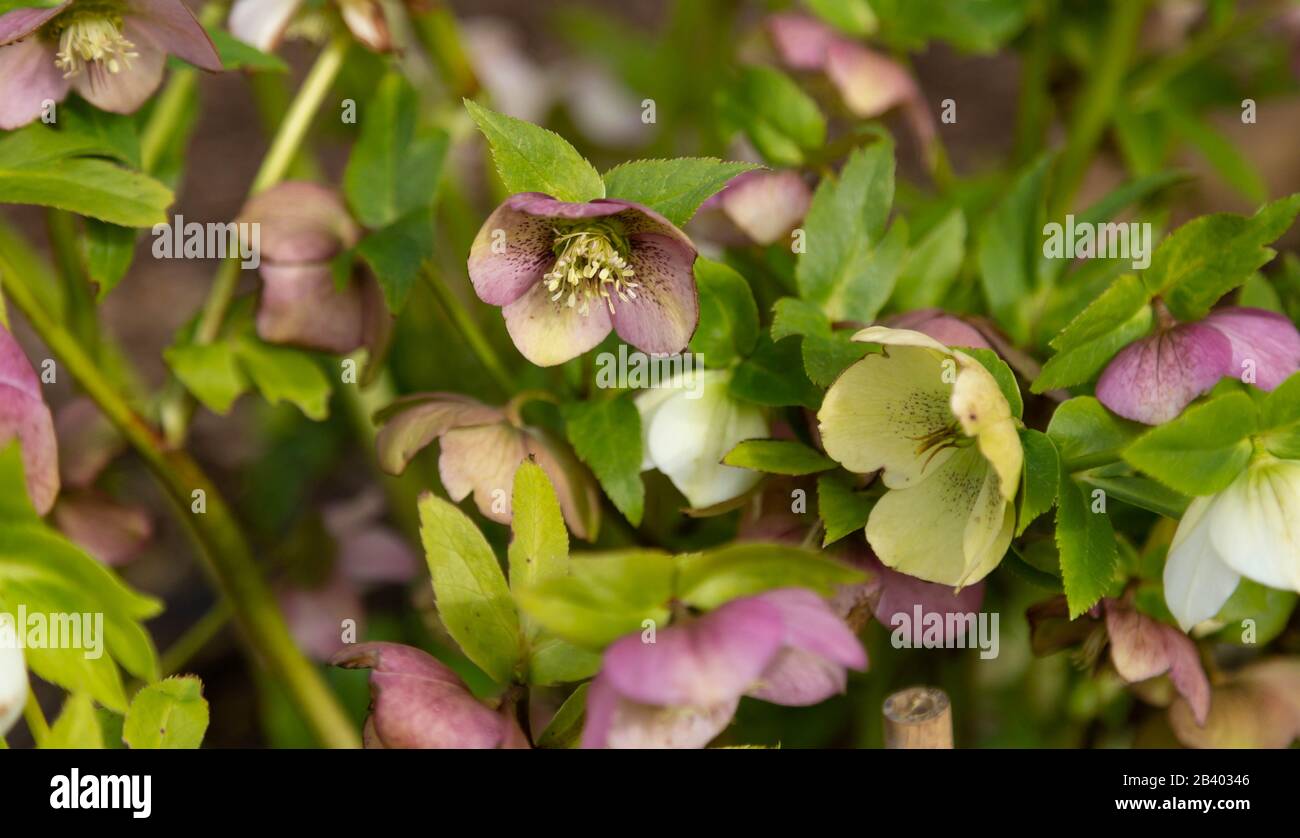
228	557
40	729
469	330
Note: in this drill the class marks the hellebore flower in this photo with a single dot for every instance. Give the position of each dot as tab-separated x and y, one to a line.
933	420
1259	707
565	274
1251	529
896	599
23	414
1142	648
1153	379
264	23
112	52
13	682
419	702
765	206
785	646
481	448
688	426
303	227
869	83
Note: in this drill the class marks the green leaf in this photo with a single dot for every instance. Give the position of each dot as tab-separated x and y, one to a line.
171	714
707	580
1138	491
237	55
395	165
109	251
1203	450
673	188
1118	317
849	265
211	372
776	115
1279	419
604	597
77	725
281	373
777	456
553	661
842	508
564	730
774	376
1087	547
1010	242
397	253
606	435
1211	255
540	547
728	327
533	159
1039	485
852	17
826	353
91	187
1086	434
932	264
473	598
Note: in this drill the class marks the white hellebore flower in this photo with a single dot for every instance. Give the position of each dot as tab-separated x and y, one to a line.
1251	529
13	685
688	425
933	421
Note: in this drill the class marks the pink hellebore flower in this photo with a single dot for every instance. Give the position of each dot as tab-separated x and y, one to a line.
481	448
566	274
419	702
785	646
264	23
869	83
1153	379
913	607
1143	648
1258	707
112	52
303	227
763	205
23	414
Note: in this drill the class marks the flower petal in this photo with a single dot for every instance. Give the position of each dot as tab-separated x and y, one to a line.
801	42
482	460
1197	580
28	78
1137	644
897	597
947	329
706	661
692	431
110	532
1240	716
87	442
766	205
125	91
174	28
1265	340
615	722
301	306
984	413
316	615
549	332
513	248
368	24
1153	379
1255	524
818	647
869	83
411	423
663	317
262	23
878	410
18	24
13	685
23	414
301	222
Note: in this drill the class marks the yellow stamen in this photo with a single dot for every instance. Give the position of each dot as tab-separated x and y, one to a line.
94	38
589	267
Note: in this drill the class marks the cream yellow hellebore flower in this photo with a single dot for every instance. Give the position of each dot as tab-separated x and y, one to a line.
933	421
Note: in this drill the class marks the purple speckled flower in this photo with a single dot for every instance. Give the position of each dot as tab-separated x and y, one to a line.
1153	379
419	702
112	52
23	414
565	274
785	646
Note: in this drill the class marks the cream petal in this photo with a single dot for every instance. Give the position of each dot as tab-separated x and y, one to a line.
899	337
689	437
13	686
482	460
1197	581
984	413
124	91
648	404
368	24
1255	525
262	22
549	333
926	529
877	412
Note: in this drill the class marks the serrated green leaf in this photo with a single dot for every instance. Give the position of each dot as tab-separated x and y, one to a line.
728	327
1203	450
532	159
1086	434
281	373
397	253
564	730
1118	317
77	725
1087	547
1041	478
171	714
539	549
673	188
606	435
773	375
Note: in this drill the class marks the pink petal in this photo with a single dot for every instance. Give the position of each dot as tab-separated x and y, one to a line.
262	22
1153	379
28	78
418	702
948	329
1267	340
301	222
897	595
377	555
812	626
410	424
174	28
869	83
301	306
87	442
766	205
110	532
125	91
549	332
482	460
20	23
316	615
704	662
1187	673
512	250
663	317
23	414
616	722
801	42
1142	647
800	679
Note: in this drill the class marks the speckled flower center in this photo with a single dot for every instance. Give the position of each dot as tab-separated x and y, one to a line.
92	33
589	266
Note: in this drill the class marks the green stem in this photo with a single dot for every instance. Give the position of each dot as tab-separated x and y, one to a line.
195	638
469	330
40	729
1035	96
1097	102
227	555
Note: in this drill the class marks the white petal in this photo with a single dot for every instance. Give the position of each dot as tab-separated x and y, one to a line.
1255	526
648	404
13	679
1197	582
262	22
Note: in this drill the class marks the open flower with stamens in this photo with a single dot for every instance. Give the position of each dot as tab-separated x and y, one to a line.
933	421
264	23
566	274
112	52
